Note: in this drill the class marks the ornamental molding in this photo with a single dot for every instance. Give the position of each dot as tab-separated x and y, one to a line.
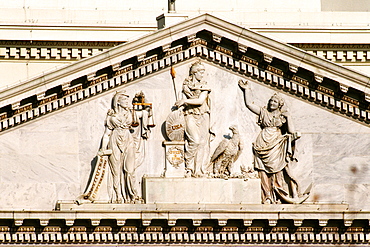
159	236
158	225
189	28
91	85
70	44
52	50
332	46
79	81
339	53
42	53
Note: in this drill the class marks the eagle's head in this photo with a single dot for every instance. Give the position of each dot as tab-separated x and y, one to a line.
234	129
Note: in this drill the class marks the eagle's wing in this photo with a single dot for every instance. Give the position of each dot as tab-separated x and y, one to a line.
220	149
240	149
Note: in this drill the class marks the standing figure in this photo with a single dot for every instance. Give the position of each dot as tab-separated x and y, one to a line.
196	107
273	150
118	144
122	147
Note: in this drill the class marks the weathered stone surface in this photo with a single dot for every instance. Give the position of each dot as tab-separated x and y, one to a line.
201	190
55	152
51	157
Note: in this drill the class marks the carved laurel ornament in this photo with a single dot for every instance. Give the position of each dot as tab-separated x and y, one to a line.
175	156
175	126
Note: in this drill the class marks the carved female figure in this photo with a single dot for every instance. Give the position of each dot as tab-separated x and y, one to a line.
118	144
273	148
196	107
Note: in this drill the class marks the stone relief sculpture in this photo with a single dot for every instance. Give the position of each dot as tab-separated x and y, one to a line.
143	120
175	125
196	108
274	150
120	146
227	152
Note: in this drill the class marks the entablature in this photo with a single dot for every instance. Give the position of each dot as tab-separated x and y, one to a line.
184	224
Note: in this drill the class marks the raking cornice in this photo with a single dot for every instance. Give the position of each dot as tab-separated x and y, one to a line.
163	40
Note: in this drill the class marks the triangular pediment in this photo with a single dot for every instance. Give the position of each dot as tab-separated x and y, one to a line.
52	127
318	92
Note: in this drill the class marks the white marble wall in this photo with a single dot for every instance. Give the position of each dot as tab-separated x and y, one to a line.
50	158
208	191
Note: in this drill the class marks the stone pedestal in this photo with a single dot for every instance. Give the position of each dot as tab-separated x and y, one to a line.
175	162
168	19
201	190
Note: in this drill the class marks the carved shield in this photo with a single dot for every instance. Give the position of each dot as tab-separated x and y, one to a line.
175	125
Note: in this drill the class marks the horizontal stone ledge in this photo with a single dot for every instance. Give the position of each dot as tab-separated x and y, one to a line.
68	206
68	210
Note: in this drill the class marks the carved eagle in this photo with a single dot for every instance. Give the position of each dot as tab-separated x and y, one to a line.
227	152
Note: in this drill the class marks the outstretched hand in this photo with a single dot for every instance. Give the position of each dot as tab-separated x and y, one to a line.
243	84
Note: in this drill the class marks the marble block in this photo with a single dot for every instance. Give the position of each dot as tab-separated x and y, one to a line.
201	190
175	162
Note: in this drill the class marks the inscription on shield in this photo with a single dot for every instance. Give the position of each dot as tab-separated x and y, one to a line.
175	126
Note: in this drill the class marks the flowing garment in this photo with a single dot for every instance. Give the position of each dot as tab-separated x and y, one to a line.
272	154
122	159
197	129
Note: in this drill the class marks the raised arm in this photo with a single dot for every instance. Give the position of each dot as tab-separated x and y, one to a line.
247	99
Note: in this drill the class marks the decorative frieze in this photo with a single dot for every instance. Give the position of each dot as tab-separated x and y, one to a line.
24	108
342	53
198	47
248	60
275	70
43	53
174	50
98	79
70	90
202	234
123	70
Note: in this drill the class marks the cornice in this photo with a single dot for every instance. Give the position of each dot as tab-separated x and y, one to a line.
91	85
52	50
57	44
79	81
339	53
314	46
70	26
241	35
184	235
305	28
47	54
202	224
287	53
